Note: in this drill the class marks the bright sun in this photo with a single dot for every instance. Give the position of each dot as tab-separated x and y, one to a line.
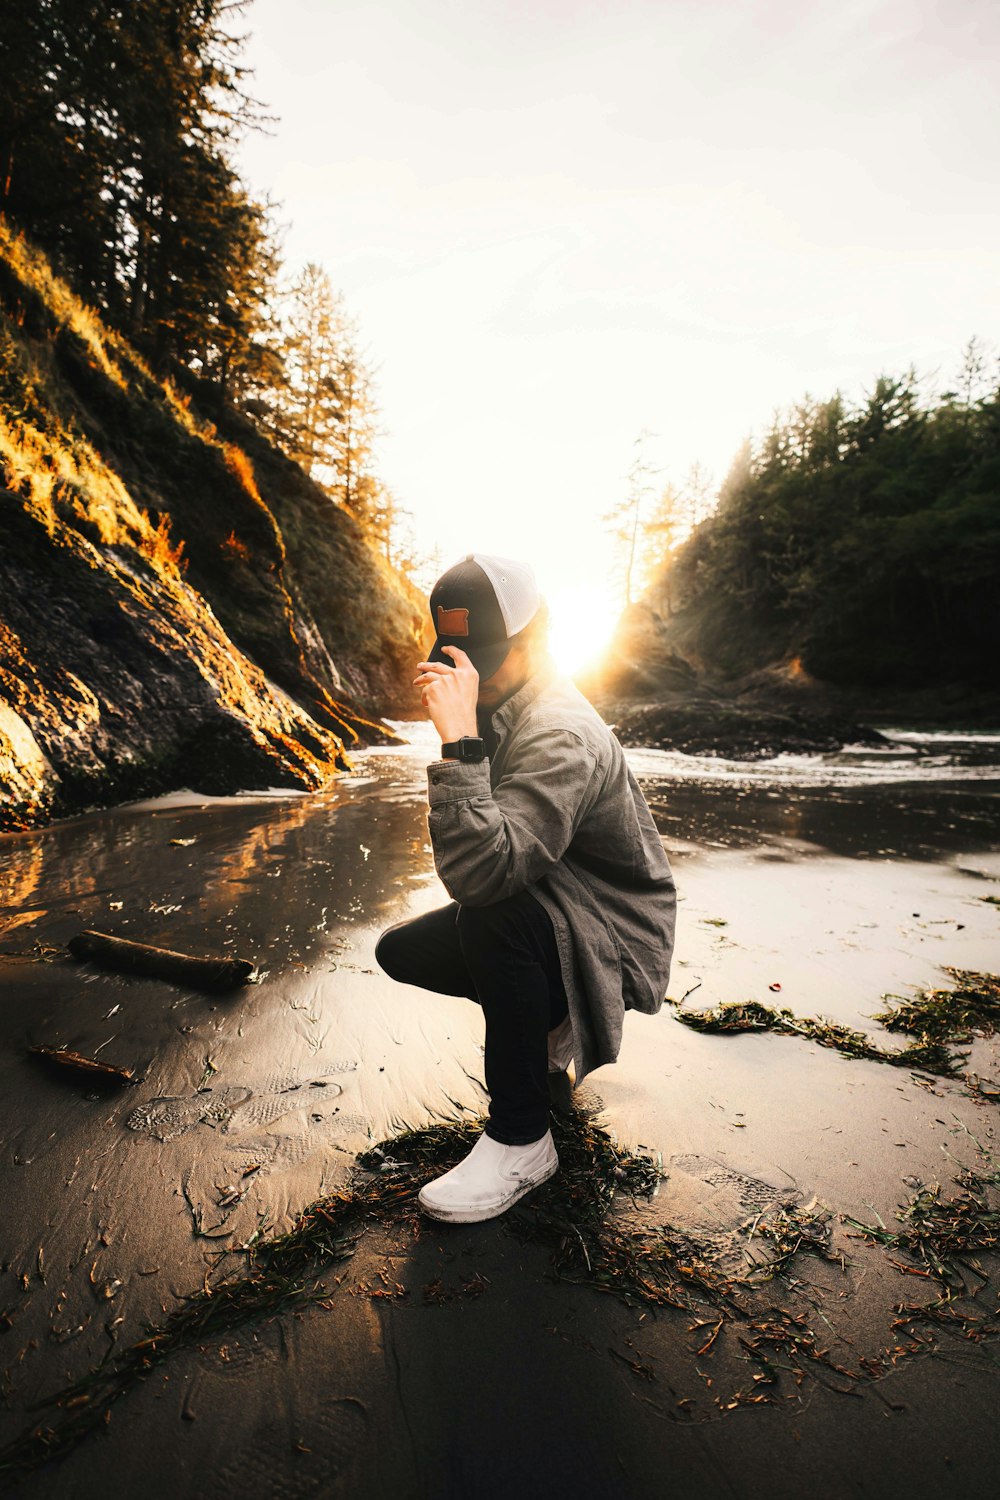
581	621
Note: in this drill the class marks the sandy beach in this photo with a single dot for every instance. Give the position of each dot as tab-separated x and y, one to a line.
818	883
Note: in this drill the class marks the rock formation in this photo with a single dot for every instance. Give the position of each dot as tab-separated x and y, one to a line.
179	604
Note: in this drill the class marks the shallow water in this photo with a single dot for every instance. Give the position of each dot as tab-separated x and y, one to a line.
817	882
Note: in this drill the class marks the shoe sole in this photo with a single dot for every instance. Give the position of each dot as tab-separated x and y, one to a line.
477	1215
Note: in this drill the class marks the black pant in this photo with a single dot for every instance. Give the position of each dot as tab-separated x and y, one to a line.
505	957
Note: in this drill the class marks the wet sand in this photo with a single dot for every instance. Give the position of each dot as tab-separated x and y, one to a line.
841	878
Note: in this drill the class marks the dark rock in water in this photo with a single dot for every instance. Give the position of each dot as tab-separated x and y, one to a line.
659	691
732	730
653	695
180	606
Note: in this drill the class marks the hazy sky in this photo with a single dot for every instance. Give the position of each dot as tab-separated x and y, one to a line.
561	222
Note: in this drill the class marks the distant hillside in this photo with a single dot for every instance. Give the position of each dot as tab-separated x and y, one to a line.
179	603
853	552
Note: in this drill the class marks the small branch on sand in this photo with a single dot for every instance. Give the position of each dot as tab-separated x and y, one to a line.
161	963
87	1067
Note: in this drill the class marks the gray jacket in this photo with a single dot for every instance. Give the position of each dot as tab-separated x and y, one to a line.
558	810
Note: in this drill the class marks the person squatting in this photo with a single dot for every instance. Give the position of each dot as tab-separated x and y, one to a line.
563	903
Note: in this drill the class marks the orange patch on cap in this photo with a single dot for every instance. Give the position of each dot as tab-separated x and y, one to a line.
453	621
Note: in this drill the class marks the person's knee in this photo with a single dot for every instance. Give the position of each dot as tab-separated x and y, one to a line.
387	952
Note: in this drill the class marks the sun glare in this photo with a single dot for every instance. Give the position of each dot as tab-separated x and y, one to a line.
581	621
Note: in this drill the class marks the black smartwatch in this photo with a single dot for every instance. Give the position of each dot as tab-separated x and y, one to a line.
469	748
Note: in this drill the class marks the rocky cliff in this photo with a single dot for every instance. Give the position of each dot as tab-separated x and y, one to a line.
179	604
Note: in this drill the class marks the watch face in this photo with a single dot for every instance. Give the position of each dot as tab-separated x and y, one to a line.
470	748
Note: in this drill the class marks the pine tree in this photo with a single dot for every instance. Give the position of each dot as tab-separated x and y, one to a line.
332	415
696	497
625	520
662	528
355	434
313	330
117	122
392	529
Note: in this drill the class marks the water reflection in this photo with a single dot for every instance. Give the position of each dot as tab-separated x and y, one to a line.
931	794
271	877
863	822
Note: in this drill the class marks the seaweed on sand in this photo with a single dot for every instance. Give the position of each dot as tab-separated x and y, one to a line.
572	1214
942	1239
940	1234
751	1015
287	1271
936	1020
972	1007
575	1214
791	1230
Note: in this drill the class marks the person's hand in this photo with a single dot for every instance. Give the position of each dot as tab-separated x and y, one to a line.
449	694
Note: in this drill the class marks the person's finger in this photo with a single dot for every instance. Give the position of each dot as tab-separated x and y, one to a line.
462	661
440	667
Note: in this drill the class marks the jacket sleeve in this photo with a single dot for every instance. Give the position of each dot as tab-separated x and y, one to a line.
491	843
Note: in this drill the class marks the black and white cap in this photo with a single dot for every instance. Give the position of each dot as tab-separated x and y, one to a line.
479	604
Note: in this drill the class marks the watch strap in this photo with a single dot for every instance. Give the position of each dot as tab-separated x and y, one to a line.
468	748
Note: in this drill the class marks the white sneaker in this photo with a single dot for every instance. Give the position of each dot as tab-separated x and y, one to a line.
561	1046
487	1181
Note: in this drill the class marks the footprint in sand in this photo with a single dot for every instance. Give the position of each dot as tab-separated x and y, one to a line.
235	1108
225	1186
709	1199
222	1180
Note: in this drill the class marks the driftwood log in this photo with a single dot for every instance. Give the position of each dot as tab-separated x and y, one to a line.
161	963
85	1067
